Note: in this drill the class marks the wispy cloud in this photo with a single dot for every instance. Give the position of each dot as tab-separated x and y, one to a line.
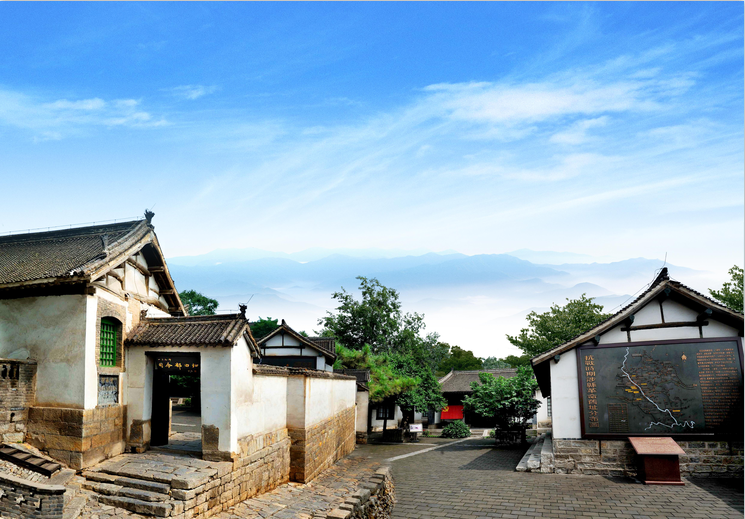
54	120
192	92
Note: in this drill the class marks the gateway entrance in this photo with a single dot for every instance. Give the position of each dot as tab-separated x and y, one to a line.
176	413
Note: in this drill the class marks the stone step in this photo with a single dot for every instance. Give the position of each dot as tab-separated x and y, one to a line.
141	484
137	506
547	455
531	460
142	495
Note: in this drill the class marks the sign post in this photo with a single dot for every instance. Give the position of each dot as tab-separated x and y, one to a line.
657	460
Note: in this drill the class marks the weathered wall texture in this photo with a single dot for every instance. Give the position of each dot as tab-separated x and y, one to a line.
27	500
617	458
52	331
79	438
317	447
17	395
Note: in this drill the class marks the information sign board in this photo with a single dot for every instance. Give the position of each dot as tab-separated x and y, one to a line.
415	427
670	388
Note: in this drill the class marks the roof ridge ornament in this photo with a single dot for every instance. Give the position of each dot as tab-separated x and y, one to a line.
149	216
243	309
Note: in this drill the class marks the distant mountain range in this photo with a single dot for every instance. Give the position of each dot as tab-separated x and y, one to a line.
471	301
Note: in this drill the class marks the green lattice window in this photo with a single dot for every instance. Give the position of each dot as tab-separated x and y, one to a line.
108	343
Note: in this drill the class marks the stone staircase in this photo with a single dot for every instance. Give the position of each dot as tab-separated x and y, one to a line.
155	484
539	457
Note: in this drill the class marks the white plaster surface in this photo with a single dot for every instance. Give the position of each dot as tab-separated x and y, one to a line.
53	331
565	396
362	403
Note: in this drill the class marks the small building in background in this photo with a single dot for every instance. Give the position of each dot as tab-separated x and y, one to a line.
456	386
288	348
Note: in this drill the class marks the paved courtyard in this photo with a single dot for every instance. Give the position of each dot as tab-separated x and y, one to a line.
471	479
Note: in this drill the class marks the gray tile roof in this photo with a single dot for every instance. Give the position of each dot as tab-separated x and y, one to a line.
199	330
324	345
61	254
460	381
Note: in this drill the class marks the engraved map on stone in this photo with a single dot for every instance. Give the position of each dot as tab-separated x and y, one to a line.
665	389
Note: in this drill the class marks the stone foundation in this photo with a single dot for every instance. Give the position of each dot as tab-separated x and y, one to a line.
361	438
139	436
316	448
17	394
28	500
617	458
375	499
79	438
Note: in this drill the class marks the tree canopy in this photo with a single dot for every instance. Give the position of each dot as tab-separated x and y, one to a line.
263	327
511	401
384	382
198	304
376	320
558	325
731	292
495	363
459	360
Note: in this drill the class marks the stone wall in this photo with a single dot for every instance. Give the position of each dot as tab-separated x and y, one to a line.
79	438
17	395
28	500
316	448
617	458
263	464
374	499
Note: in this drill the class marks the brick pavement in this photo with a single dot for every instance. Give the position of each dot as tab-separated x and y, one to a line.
473	479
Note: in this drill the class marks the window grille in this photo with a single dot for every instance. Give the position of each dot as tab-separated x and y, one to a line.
548	405
108	343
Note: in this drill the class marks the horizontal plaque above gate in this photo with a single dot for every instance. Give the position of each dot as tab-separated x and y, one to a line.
183	364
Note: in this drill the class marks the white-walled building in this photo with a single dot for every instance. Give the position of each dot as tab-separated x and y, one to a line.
286	347
668	364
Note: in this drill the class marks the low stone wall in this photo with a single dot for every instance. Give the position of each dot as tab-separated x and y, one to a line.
617	458
79	438
375	498
28	500
262	465
316	448
17	394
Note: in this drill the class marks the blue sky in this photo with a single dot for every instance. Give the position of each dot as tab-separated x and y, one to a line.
610	129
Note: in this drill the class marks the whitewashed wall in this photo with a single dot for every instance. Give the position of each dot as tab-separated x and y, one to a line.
311	400
53	331
279	346
564	383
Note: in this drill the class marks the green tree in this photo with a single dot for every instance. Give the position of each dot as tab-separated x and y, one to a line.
385	383
495	363
459	360
376	320
198	304
558	325
510	401
731	292
513	361
263	327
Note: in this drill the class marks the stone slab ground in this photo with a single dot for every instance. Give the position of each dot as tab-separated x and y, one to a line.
472	479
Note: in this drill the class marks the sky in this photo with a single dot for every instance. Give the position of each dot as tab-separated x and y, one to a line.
611	129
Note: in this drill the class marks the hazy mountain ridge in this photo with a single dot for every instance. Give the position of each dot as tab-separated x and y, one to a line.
472	301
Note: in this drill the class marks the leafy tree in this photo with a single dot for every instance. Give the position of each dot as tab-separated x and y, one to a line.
513	361
263	327
427	394
376	320
385	383
511	401
198	304
731	292
459	360
558	325
494	363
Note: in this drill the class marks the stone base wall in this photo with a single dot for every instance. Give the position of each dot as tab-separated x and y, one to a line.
375	498
27	500
17	394
617	458
361	438
316	448
139	436
262	464
79	438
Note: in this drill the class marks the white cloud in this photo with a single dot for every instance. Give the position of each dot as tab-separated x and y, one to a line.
192	92
577	132
57	119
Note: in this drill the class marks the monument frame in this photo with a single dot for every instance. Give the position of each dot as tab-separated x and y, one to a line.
625	435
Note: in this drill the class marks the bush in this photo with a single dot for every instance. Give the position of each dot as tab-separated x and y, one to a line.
456	430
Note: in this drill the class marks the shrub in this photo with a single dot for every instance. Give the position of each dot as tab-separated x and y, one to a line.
456	430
